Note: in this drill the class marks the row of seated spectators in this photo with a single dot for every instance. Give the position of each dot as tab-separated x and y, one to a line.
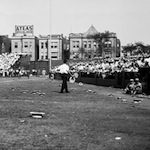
107	67
14	72
21	71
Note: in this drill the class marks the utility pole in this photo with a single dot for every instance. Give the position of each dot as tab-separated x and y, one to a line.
50	37
21	44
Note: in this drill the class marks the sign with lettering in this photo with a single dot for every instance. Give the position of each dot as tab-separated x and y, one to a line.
24	29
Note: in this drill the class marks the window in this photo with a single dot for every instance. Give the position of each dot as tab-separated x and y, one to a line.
42	45
16	45
89	44
42	57
107	44
54	53
54	44
85	44
46	44
75	44
25	44
54	57
30	45
30	53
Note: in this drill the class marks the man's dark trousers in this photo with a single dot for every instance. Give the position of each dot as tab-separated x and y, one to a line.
64	86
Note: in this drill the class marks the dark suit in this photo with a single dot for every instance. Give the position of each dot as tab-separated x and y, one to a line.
64	86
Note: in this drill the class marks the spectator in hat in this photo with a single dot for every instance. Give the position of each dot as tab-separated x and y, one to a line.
137	86
130	87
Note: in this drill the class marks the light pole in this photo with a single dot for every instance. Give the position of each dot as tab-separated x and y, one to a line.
21	44
49	43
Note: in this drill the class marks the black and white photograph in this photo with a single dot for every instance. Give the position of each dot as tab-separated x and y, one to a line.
74	75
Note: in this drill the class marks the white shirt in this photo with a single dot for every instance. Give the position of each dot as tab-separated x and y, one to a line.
148	60
64	68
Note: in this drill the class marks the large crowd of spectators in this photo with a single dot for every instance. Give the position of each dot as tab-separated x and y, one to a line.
108	66
10	67
102	67
8	60
6	63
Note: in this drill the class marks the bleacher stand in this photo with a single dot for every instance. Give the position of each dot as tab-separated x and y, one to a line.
6	63
106	67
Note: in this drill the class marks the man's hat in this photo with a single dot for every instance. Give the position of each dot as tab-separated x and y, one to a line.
136	79
131	80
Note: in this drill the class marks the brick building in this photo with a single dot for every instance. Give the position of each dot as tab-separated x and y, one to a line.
85	44
51	47
23	41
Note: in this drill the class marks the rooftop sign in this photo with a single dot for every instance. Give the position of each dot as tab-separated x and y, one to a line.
24	29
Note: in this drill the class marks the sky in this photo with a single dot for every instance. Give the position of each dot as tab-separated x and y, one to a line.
129	19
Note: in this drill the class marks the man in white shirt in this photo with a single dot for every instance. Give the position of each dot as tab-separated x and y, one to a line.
64	70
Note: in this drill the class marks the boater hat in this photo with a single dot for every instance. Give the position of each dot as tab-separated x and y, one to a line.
131	80
136	79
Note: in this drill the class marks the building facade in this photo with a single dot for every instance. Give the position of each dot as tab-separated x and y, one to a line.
23	41
51	47
43	47
85	45
5	44
24	44
112	46
56	47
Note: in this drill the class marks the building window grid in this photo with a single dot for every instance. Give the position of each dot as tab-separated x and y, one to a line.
107	44
75	44
54	44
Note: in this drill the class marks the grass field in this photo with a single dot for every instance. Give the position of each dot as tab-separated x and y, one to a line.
87	118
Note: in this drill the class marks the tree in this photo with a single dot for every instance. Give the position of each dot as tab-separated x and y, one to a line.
129	48
82	52
66	54
140	48
100	38
136	48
